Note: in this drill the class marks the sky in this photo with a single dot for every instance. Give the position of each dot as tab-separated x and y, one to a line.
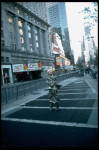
75	25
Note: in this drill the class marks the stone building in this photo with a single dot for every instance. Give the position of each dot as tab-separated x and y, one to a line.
25	41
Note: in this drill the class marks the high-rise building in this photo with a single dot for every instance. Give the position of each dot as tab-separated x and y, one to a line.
57	18
25	41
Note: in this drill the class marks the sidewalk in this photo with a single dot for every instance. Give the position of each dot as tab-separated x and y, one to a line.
93	83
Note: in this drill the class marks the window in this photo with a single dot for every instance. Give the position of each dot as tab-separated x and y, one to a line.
7	59
21	32
2	43
11	30
20	23
21	39
29	28
29	3
43	41
20	12
30	37
37	39
1	33
2	59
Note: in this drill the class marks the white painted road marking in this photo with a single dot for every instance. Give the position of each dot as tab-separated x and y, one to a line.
51	122
71	99
72	93
70	89
36	107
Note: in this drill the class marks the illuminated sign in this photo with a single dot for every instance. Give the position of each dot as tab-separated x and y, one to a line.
58	61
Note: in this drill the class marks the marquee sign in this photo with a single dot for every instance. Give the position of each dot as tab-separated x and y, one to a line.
26	67
18	68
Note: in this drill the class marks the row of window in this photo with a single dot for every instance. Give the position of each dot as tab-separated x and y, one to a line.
4	58
35	8
19	11
12	38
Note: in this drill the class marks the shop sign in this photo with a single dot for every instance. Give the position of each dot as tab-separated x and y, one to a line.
18	68
58	61
33	66
56	50
25	66
67	63
39	66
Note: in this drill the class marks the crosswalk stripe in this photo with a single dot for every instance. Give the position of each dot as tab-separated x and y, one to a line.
71	89
71	99
71	93
50	122
36	107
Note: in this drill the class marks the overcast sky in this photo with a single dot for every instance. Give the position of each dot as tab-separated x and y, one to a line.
75	25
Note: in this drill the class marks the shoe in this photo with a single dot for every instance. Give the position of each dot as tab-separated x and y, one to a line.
51	109
57	109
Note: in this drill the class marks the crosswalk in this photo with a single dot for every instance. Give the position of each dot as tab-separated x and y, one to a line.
31	124
73	104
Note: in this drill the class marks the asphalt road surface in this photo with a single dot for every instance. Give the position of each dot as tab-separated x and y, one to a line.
74	125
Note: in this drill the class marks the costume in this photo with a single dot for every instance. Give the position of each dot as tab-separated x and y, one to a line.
53	86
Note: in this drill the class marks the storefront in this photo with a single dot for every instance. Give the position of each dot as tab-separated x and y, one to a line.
26	72
6	72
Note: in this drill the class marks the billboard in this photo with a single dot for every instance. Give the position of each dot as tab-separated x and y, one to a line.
58	61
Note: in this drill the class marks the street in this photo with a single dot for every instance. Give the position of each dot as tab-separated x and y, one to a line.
75	124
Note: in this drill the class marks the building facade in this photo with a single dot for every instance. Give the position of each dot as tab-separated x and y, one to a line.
57	18
25	41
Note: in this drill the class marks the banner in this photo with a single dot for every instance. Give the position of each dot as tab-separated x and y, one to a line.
39	66
18	68
33	66
67	62
25	66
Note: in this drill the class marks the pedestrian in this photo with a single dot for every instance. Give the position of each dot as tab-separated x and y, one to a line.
53	99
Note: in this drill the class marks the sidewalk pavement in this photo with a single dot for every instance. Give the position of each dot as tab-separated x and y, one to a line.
93	83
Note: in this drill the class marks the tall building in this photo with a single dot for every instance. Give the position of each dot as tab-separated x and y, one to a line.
89	51
57	18
25	41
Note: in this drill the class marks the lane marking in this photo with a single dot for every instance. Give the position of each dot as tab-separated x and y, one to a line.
36	107
50	122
